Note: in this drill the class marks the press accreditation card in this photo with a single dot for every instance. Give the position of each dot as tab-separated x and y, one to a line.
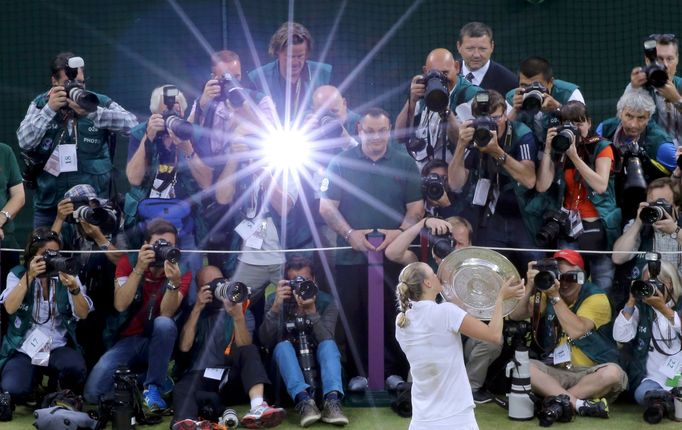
562	354
68	160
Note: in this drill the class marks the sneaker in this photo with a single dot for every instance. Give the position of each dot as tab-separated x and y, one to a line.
358	384
308	411
597	408
263	416
185	424
482	396
166	388
152	399
393	381
332	413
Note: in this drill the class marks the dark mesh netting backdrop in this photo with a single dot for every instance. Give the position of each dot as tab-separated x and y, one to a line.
375	46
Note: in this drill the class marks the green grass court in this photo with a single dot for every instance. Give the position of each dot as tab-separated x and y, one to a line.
624	416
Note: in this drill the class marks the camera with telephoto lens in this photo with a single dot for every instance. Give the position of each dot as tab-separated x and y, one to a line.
659	405
642	289
181	128
416	144
231	89
331	126
533	95
92	211
299	328
556	408
6	407
436	95
655	211
517	333
229	419
75	90
483	130
164	251
223	289
55	262
123	404
433	186
303	288
441	244
554	225
566	134
548	272
656	73
631	156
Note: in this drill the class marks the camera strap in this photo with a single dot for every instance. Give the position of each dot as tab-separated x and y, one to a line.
245	305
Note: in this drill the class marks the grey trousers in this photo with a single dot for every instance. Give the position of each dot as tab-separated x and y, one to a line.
478	356
257	277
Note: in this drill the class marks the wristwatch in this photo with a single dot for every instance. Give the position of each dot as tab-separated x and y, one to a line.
554	300
674	233
7	215
501	159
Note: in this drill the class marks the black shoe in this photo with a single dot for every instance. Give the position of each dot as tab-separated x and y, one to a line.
482	396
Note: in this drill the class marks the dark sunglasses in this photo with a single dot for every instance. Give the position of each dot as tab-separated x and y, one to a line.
49	237
664	37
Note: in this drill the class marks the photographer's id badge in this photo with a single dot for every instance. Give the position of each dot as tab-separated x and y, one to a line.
576	224
246	228
36	346
214	373
671	367
481	192
258	237
68	160
562	354
52	165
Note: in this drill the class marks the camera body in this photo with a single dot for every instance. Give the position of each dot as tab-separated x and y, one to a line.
75	90
433	186
533	96
92	211
556	408
55	262
231	90
642	289
517	333
548	272
567	133
656	73
655	211
555	224
436	96
331	126
181	128
123	405
483	130
299	328
441	245
235	292
303	288
164	251
659	404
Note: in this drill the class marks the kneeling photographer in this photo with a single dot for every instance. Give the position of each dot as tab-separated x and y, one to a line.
226	368
148	290
88	223
299	327
650	326
44	299
576	172
571	326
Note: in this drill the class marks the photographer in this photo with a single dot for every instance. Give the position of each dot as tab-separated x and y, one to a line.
77	141
44	299
422	127
12	200
148	291
165	174
570	316
80	204
495	159
539	93
637	140
580	165
291	304
440	199
291	79
666	94
226	367
650	326
654	229
430	335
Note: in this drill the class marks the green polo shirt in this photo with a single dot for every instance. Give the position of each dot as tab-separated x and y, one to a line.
371	194
10	175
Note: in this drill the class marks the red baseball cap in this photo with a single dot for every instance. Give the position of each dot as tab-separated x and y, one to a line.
571	256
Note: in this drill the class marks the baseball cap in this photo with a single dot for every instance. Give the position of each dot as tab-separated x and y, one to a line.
81	190
571	256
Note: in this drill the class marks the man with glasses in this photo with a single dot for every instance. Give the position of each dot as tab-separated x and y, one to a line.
668	99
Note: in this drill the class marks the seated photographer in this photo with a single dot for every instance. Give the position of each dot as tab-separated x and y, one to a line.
658	77
298	308
44	299
292	78
226	367
74	129
650	325
495	160
579	166
148	291
429	334
642	146
571	319
424	116
539	94
80	205
165	174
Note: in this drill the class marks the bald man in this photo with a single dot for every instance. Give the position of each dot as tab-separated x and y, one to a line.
328	101
417	121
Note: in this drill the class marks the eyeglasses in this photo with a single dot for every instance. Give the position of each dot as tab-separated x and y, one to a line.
664	37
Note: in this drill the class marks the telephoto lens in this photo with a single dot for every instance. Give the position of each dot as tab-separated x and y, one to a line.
229	419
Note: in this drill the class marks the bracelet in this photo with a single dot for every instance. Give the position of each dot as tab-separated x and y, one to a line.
138	273
347	235
629	309
106	246
76	291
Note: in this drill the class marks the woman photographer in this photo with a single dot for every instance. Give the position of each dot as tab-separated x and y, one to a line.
429	334
651	327
43	306
576	172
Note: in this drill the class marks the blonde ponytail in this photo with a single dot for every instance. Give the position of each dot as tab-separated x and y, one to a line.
409	288
403	303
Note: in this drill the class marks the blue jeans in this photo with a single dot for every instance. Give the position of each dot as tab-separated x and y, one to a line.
44	217
644	387
134	351
328	360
